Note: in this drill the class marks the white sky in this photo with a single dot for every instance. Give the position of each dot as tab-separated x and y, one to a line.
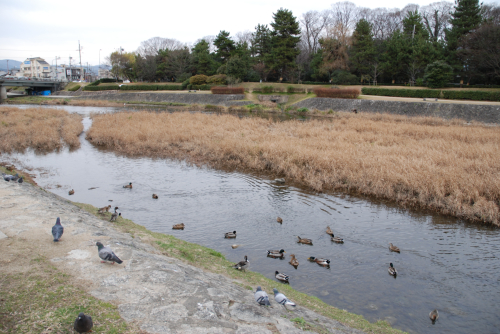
50	28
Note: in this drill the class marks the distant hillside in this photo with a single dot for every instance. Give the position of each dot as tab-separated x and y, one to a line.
12	64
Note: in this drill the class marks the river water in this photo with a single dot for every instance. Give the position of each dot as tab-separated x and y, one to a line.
444	263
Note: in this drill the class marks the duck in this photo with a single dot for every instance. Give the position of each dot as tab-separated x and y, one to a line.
242	265
276	253
155	196
9	168
293	261
71	192
279	220
128	185
281	180
115	215
104	209
320	261
434	315
393	248
305	241
230	234
329	230
235	246
337	239
281	276
178	226
392	270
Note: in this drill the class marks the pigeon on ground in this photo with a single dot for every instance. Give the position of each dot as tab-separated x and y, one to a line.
15	177
281	299
8	177
83	323
20	180
106	254
57	230
261	297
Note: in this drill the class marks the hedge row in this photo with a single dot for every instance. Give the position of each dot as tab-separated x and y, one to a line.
199	87
96	88
227	90
477	95
74	88
337	93
429	93
151	87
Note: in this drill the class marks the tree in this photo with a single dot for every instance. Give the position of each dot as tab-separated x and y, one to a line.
224	45
151	46
362	55
261	42
202	60
481	50
436	17
313	24
122	64
438	74
284	39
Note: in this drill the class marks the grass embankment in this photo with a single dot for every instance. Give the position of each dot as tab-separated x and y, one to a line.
38	128
26	177
36	297
428	163
213	261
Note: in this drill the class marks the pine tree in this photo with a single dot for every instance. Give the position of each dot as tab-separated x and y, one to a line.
225	46
362	55
202	59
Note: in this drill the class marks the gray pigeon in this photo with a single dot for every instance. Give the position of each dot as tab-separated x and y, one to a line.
107	254
57	230
15	177
7	177
83	323
281	299
261	297
20	180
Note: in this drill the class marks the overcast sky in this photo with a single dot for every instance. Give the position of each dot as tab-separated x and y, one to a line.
50	28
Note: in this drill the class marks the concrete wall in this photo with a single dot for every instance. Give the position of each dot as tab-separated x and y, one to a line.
187	98
468	112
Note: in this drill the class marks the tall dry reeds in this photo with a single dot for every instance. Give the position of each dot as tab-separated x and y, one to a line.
337	93
418	162
38	128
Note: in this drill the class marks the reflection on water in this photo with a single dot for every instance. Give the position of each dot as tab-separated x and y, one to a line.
444	263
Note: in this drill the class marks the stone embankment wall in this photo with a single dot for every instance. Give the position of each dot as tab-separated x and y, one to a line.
468	112
187	98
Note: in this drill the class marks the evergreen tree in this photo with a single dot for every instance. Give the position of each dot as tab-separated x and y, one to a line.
363	54
202	59
261	42
284	40
413	25
224	45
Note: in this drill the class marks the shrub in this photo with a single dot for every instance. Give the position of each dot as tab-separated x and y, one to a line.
341	77
347	93
185	84
139	87
471	95
218	79
74	88
420	82
430	93
267	89
200	87
199	79
107	80
98	88
227	90
302	110
438	74
169	87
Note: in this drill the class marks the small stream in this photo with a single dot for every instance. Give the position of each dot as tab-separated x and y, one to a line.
444	263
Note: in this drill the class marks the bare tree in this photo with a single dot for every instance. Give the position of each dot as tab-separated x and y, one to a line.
436	18
243	37
151	46
344	16
491	13
313	24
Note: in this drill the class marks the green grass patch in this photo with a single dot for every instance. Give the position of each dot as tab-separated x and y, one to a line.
213	261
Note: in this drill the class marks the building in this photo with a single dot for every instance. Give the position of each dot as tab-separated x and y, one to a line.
58	73
35	68
104	73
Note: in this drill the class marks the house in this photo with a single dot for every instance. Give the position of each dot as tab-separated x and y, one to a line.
35	68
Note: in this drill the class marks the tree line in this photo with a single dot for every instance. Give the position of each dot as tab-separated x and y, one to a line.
344	44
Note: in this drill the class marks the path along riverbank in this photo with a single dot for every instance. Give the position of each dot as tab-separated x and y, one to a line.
153	290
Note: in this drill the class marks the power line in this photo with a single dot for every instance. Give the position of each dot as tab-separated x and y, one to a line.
37	50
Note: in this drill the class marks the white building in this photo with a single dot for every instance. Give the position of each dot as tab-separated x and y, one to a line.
104	73
58	73
35	68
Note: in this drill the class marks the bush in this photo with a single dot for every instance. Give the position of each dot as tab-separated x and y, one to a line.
420	82
199	79
302	110
429	93
336	93
267	89
169	87
227	90
199	87
74	89
218	79
108	80
438	74
98	88
341	77
139	87
185	84
471	95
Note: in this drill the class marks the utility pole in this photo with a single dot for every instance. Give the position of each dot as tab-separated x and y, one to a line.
80	52
98	75
70	70
56	65
7	67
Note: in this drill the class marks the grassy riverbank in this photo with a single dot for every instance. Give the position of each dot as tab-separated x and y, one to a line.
429	163
213	261
38	128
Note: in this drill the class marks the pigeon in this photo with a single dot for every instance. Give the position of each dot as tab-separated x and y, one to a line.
8	177
83	323
106	254
242	265
281	299
57	230
15	177
261	297
20	180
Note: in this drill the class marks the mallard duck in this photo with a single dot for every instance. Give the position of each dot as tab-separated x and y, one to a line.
128	185
242	265
276	253
115	215
279	220
282	180
293	261
320	261
178	226
329	230
392	270
9	168
230	234
434	315
104	209
337	239
71	192
155	196
281	276
305	241
393	248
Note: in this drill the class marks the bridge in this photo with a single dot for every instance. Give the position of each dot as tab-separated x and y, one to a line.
34	84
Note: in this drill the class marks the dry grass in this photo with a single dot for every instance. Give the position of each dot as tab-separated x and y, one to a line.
419	162
38	128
